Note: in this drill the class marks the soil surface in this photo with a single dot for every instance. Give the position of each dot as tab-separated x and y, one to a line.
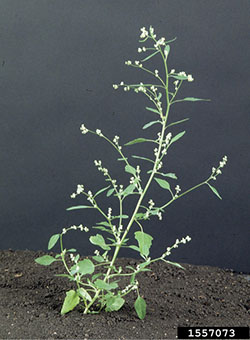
31	298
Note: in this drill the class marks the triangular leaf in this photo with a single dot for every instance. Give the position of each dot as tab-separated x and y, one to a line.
145	241
114	303
98	240
45	260
71	300
140	307
104	285
214	191
53	240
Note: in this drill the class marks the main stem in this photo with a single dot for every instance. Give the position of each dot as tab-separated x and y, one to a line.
118	247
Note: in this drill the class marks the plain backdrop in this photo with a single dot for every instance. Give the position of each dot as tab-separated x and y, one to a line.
58	61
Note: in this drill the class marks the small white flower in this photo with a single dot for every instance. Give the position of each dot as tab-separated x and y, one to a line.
144	33
80	189
139	50
156	73
98	132
190	78
128	62
83	129
73	195
172	71
115	86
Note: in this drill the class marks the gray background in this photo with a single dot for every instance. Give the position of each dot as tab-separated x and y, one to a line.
59	60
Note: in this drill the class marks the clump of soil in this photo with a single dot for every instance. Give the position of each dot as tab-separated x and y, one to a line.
31	298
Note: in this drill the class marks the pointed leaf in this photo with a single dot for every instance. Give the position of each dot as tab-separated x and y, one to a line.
53	240
175	264
143	158
162	183
79	207
84	294
134	248
167	50
150	56
153	110
98	258
129	190
86	267
170	175
71	300
138	140
45	260
150	124
98	240
178	77
214	191
178	122
110	192
130	169
101	190
145	241
178	136
192	99
140	307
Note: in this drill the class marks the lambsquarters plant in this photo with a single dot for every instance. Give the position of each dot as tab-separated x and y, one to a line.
97	278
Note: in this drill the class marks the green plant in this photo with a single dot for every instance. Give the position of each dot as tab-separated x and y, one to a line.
97	278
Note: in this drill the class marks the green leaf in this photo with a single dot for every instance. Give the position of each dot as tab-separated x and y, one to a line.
104	223
145	241
45	260
122	159
138	140
150	124
162	183
170	175
86	267
53	240
129	190
100	284
79	207
110	192
98	258
143	158
192	99
134	248
84	294
130	169
98	240
153	110
214	191
120	216
71	300
140	307
150	56
175	264
167	49
178	77
178	122
114	303
103	229
178	136
101	190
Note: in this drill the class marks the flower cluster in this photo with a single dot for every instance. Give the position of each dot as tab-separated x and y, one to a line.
75	227
217	171
83	129
116	142
79	190
184	240
130	287
177	191
99	166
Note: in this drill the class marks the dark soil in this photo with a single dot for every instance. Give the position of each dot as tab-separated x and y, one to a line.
31	298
